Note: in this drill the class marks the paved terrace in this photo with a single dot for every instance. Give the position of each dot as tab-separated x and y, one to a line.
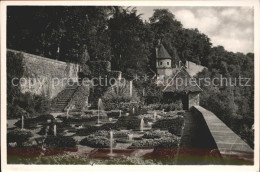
228	143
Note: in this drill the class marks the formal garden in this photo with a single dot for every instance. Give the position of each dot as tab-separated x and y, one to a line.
136	136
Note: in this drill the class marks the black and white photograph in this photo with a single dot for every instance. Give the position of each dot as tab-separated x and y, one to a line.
129	85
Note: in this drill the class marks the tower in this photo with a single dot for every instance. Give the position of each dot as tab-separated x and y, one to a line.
166	65
163	62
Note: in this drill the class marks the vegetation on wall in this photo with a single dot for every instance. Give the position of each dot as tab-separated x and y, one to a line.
21	103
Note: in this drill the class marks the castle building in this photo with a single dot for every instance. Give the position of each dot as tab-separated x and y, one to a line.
165	64
176	83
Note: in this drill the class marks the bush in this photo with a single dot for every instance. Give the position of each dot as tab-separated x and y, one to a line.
175	123
78	120
60	141
87	130
109	126
101	138
41	104
171	107
167	142
96	141
129	122
32	122
113	114
60	127
43	118
156	134
166	107
158	142
33	104
15	111
18	136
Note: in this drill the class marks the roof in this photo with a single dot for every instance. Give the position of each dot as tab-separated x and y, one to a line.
162	53
182	82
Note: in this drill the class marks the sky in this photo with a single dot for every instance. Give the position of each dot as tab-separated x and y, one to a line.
230	27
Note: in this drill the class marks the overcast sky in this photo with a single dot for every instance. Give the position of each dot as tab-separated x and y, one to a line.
231	27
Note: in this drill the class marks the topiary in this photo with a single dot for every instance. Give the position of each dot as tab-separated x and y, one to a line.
43	118
96	141
60	141
109	126
87	130
18	136
129	122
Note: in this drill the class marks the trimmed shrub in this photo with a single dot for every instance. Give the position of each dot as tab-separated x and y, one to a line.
167	142
60	127
96	141
33	104
60	141
158	142
78	120
32	122
43	118
18	136
110	126
156	134
87	130
169	122
176	127
128	122
113	114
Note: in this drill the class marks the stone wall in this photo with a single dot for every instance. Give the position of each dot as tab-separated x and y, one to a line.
194	99
43	76
228	143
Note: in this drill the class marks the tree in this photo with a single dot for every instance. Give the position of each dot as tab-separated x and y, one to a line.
129	41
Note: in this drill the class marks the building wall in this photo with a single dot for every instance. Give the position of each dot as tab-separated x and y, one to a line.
194	99
43	76
161	63
164	72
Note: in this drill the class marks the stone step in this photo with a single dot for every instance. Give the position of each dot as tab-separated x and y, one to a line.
64	97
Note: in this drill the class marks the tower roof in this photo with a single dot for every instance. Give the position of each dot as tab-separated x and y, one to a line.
162	53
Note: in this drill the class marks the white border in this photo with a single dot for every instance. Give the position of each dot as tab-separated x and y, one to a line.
113	168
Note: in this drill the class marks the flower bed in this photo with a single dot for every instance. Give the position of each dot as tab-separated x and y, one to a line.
156	134
158	142
101	139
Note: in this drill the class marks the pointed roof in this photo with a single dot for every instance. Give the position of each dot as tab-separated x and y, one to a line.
162	53
186	83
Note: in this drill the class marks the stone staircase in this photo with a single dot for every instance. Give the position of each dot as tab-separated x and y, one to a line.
61	101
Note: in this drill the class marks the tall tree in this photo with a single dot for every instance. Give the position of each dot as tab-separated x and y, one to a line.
129	41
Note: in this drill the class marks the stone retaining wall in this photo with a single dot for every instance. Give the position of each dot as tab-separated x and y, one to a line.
43	76
229	143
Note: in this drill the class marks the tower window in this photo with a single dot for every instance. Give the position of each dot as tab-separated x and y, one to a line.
168	63
160	63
